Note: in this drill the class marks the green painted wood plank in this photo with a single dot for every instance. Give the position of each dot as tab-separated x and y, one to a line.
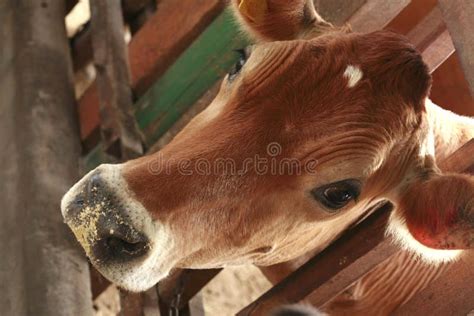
96	157
207	77
206	61
198	68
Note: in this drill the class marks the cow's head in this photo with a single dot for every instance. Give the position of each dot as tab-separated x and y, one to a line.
305	135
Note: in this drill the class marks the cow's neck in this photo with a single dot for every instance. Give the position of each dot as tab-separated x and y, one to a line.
451	131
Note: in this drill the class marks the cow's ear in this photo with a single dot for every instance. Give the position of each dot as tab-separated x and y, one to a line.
271	20
439	212
396	67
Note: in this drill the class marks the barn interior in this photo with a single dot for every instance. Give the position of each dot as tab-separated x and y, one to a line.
108	81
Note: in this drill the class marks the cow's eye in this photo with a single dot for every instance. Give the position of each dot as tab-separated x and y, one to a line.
239	64
338	194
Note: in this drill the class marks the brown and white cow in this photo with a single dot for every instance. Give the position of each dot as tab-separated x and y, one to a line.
314	126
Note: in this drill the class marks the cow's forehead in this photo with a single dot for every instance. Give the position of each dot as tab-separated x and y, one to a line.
296	85
296	75
330	81
315	98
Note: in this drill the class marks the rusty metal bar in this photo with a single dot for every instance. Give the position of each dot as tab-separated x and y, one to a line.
119	130
459	17
450	85
411	16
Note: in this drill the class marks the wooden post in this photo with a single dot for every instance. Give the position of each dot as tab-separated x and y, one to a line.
42	269
118	123
458	15
136	14
120	133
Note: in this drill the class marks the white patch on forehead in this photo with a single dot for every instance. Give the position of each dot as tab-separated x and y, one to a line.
353	74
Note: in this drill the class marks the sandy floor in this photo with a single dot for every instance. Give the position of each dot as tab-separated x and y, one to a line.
233	289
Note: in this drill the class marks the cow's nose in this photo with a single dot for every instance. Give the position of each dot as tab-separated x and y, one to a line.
94	211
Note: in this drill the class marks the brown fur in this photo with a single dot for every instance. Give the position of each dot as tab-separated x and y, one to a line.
295	94
304	108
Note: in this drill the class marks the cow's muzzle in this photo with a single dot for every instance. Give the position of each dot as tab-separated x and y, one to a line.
101	224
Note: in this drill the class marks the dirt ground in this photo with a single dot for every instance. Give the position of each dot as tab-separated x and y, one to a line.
232	289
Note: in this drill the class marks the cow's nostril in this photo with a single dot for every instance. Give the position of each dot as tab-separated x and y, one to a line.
78	201
119	246
122	248
74	208
95	183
